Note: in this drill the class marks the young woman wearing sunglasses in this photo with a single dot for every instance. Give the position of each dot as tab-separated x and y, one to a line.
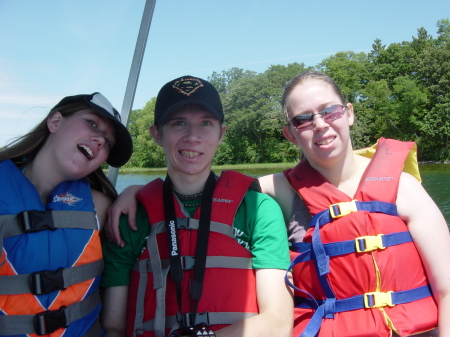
371	249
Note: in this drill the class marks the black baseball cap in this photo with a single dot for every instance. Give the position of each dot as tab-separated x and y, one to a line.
123	147
184	90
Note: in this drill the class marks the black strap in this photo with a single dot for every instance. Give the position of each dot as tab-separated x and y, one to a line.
202	242
176	270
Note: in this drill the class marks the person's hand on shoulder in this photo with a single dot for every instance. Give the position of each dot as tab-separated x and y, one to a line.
125	204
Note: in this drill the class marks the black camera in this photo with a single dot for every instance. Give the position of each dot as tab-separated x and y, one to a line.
192	332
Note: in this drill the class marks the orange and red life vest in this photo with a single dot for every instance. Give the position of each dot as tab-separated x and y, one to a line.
229	291
358	273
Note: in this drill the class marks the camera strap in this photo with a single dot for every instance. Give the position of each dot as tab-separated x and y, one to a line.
176	269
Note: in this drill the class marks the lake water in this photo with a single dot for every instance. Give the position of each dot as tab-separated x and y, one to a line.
436	181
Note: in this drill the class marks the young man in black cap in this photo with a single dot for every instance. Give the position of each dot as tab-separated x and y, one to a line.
211	251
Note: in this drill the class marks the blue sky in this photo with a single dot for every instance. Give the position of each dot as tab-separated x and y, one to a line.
53	48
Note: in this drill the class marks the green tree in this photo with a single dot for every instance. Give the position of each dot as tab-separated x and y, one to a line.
436	127
348	69
146	153
225	79
408	104
372	115
443	31
254	118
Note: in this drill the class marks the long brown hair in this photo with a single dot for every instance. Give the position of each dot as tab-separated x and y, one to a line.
24	149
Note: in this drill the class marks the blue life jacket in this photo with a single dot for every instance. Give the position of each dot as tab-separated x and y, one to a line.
58	242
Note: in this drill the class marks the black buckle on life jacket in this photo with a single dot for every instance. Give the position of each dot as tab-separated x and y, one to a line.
49	321
187	262
46	281
183	223
185	320
201	319
35	221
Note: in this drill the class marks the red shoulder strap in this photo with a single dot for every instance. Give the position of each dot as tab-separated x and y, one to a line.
317	192
230	189
151	196
381	178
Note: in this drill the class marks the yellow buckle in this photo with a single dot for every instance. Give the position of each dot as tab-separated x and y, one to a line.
379	299
343	209
371	243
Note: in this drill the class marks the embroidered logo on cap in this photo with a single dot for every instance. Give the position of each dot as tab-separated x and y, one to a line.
187	86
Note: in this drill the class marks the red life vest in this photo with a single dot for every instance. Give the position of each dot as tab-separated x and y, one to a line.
229	291
360	288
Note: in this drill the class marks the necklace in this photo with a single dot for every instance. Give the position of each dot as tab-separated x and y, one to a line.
187	197
190	197
189	205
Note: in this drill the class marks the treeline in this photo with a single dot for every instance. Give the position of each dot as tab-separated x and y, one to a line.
401	91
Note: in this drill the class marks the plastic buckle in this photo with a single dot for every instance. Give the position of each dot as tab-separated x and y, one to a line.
184	319
368	243
378	300
202	318
49	321
35	221
183	223
46	281
187	262
342	209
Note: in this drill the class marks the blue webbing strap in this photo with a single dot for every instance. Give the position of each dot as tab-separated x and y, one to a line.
314	324
346	247
322	260
322	264
311	299
357	302
354	303
325	216
300	247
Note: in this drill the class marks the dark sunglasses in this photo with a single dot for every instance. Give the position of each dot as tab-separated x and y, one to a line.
328	114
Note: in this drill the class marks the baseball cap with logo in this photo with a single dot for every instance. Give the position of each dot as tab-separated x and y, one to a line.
123	147
184	90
